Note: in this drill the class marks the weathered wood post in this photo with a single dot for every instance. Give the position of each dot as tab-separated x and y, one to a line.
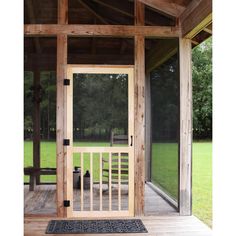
61	75
139	111
185	193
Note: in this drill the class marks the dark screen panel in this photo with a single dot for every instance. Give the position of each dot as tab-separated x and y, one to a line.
165	126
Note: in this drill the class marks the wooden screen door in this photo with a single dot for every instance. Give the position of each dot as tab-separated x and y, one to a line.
99	100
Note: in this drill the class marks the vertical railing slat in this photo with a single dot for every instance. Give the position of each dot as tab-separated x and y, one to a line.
91	181
100	182
110	177
82	181
119	185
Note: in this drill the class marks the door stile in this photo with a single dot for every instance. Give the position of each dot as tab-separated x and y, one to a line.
68	155
131	139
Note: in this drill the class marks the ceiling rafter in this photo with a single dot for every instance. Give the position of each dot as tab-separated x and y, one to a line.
168	7
113	6
209	31
196	17
85	5
30	9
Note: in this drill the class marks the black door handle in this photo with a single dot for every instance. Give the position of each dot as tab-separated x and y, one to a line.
131	140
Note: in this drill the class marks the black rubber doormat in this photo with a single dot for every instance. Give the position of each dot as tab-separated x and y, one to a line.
95	226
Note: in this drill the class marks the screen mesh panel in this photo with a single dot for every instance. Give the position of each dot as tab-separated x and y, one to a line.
165	126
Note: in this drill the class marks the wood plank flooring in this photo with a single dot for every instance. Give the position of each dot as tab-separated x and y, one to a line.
160	218
156	226
43	201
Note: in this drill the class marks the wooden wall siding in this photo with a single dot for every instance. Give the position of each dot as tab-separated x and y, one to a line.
36	122
139	111
185	194
101	30
60	112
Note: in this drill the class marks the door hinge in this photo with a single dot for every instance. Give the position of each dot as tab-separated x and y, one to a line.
66	142
66	82
66	203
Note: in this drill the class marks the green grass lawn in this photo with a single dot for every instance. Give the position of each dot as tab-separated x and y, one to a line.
202	181
164	170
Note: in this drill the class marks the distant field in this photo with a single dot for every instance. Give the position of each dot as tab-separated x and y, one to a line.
164	170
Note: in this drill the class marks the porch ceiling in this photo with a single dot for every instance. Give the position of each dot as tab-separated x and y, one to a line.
112	12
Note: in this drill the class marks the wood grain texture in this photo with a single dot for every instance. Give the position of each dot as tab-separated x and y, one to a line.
62	11
156	226
61	74
42	201
167	7
101	30
185	197
139	13
196	17
60	110
139	117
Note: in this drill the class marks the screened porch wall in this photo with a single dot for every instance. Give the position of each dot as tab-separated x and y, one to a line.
40	105
164	82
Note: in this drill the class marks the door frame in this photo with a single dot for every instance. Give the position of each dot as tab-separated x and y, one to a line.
68	134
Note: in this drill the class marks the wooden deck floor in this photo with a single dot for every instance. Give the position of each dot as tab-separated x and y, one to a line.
43	201
160	218
156	226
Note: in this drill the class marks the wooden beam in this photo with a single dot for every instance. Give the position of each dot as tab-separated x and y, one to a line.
115	6
62	12
139	110
196	17
48	62
194	42
161	53
167	7
36	122
101	30
61	74
209	31
185	193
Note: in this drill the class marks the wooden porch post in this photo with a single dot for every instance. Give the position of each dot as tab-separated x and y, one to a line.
36	122
185	194
139	121
61	75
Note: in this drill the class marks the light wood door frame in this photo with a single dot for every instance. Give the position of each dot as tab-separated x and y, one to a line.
69	150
